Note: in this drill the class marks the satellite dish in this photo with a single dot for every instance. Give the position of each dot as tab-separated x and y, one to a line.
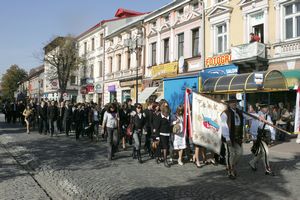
181	62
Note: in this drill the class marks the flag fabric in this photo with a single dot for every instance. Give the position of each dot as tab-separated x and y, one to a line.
206	122
297	116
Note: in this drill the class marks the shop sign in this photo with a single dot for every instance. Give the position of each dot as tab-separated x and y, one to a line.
164	70
218	60
98	88
258	78
90	88
54	85
111	88
130	83
89	81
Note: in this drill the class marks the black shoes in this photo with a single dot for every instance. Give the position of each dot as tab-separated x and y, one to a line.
252	167
166	164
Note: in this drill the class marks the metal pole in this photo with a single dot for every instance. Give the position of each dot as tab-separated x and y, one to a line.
137	76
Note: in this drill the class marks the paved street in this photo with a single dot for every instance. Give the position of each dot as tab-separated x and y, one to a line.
39	167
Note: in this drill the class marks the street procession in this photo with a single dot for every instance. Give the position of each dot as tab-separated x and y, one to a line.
177	99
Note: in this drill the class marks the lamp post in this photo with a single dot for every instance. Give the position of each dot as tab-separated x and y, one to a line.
135	45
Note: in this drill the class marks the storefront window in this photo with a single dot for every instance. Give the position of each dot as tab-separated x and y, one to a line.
125	95
113	96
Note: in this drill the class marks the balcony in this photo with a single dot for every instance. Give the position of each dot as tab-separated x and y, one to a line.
250	57
288	48
124	74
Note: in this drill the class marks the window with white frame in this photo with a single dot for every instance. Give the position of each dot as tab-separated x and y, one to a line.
166	50
100	68
153	53
195	42
180	38
292	20
221	38
119	60
92	71
93	44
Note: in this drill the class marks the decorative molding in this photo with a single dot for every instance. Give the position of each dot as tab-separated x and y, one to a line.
219	10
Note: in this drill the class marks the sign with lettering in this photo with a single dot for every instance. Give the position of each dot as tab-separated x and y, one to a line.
164	70
218	60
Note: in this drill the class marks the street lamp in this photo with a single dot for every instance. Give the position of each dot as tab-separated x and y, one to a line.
136	45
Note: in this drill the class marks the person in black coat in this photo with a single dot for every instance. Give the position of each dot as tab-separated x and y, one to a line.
42	116
124	122
148	117
164	130
68	117
78	116
138	124
155	118
52	116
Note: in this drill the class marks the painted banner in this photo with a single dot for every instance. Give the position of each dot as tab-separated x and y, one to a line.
297	116
207	122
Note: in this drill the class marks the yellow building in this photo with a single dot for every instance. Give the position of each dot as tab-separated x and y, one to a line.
228	24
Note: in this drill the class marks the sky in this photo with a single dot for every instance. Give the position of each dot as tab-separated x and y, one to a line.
27	25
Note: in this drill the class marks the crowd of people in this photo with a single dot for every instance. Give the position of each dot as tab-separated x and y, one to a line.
154	129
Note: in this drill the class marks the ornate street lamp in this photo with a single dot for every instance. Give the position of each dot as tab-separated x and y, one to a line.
136	45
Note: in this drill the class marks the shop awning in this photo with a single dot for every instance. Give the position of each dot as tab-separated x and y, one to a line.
146	93
292	77
268	81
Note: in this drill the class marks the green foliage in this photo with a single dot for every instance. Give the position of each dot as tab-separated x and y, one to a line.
10	80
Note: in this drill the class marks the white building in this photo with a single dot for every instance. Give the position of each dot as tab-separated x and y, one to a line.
92	46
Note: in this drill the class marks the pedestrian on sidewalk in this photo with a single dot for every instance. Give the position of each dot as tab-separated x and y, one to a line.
232	133
110	123
67	117
42	115
138	125
261	134
27	114
52	117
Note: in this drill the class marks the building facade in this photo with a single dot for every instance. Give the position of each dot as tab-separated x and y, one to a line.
92	47
174	46
36	83
124	65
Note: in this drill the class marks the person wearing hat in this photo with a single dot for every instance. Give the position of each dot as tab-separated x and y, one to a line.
232	135
262	137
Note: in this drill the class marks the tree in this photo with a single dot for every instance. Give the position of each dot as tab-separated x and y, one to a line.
10	80
61	60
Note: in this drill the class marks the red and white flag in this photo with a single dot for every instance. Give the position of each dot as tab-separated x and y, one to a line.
187	120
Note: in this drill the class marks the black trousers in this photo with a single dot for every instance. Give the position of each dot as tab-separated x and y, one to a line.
148	139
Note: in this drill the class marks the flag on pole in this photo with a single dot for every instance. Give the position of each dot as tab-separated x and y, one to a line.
207	122
187	118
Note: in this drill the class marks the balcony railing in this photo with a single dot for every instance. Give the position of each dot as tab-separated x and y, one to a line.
123	74
288	48
248	51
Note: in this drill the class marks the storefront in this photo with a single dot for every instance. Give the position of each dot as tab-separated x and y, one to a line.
128	89
174	89
98	93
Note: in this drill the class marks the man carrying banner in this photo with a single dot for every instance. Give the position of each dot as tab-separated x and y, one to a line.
232	132
262	137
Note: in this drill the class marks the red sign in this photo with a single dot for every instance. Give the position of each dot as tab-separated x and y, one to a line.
90	88
218	60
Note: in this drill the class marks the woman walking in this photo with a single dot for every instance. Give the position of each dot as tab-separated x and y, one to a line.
27	113
179	142
110	123
138	123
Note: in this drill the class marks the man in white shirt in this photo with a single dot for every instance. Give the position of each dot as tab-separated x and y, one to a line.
232	135
262	137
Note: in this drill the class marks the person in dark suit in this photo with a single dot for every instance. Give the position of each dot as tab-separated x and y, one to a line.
42	115
148	117
67	119
52	113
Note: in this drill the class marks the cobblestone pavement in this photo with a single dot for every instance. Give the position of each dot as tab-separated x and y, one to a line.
69	169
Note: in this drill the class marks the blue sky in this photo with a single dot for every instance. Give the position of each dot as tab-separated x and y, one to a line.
27	25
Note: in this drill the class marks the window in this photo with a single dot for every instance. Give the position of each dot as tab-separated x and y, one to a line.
180	12
153	53
92	71
167	18
110	60
128	59
195	42
195	6
101	40
119	62
93	44
221	38
180	45
85	47
292	20
73	80
166	50
100	68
